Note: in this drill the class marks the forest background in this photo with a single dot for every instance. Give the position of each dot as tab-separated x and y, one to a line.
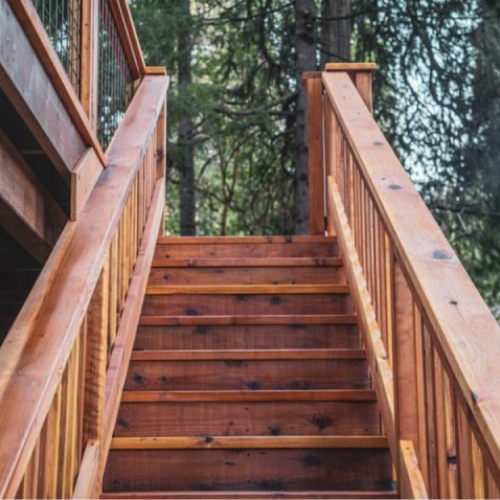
237	153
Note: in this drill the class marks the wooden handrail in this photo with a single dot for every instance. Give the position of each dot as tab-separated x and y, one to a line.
439	337
52	382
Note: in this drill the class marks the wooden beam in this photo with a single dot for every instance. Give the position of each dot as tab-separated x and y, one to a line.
27	211
26	84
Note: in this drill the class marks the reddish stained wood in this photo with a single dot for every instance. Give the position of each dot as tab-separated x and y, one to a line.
118	363
27	211
314	91
250	262
247	442
380	368
410	481
58	306
242	354
244	418
264	395
254	289
247	469
83	180
313	319
446	293
246	240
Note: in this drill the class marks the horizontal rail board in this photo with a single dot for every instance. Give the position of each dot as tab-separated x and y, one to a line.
244	289
195	396
242	354
303	319
247	442
249	262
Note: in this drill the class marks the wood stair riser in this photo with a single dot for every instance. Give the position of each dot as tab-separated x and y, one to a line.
247	276
247	375
241	304
321	418
247	337
221	251
248	469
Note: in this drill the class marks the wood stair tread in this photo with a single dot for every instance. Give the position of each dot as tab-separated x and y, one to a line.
247	442
245	240
200	262
243	354
267	289
270	319
252	495
249	395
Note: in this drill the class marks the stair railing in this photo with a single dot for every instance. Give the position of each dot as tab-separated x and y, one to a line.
64	361
432	343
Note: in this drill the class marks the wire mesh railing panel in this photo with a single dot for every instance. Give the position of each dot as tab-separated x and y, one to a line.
116	83
62	21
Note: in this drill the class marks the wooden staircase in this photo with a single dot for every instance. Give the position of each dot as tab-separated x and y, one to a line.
248	378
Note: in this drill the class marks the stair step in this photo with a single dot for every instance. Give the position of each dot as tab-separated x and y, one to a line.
246	289
249	418
247	442
248	469
137	396
245	304
233	336
249	250
233	319
248	374
245	354
247	275
202	262
251	495
245	240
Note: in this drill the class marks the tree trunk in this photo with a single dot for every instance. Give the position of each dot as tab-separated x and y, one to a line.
187	199
336	29
305	47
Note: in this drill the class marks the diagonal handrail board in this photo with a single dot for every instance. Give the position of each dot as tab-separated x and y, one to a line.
447	295
37	349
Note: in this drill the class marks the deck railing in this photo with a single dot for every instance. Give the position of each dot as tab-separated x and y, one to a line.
433	345
65	357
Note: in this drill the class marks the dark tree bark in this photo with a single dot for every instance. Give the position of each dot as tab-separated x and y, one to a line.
336	30
185	165
305	48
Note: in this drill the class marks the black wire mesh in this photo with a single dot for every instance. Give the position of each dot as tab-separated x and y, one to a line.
62	20
116	83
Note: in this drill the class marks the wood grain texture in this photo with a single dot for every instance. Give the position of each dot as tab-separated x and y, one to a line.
411	483
249	250
199	262
251	374
273	336
317	192
248	418
46	330
248	395
247	442
254	289
246	275
244	470
249	305
246	240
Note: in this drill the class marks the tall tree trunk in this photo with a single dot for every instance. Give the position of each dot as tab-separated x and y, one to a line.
305	47
186	127
336	29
